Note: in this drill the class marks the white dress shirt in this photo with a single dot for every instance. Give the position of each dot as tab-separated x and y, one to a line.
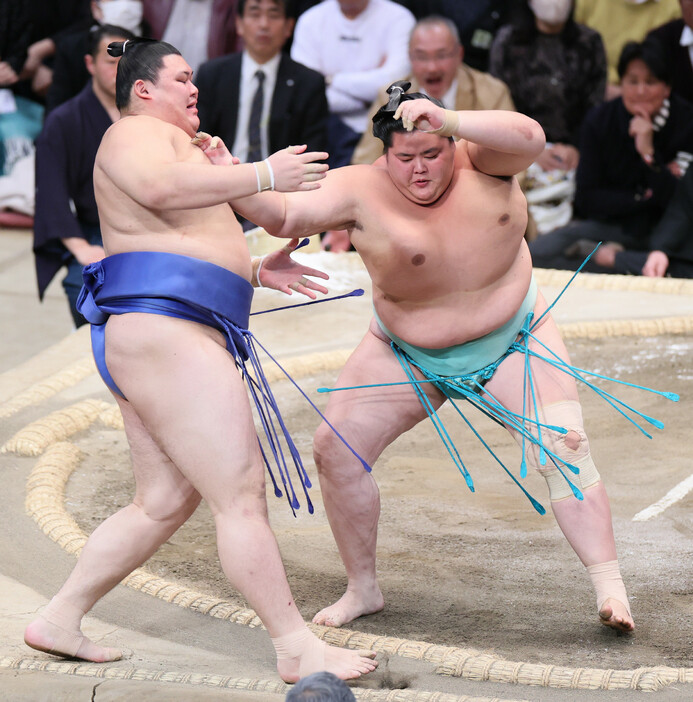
246	91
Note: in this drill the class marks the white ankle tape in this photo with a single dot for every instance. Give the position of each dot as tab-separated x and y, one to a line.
607	581
293	644
63	614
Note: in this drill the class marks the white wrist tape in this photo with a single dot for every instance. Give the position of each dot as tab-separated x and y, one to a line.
257	273
264	175
450	124
271	173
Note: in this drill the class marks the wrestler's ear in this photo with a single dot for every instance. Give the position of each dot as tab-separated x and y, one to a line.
140	89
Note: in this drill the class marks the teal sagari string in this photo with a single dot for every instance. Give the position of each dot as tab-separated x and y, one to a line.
471	386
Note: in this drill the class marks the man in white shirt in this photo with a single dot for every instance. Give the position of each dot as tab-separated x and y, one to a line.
359	46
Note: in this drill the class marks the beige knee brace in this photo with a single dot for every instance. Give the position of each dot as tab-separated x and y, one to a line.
572	447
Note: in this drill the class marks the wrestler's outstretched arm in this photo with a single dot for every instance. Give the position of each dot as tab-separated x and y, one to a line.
298	214
139	156
499	142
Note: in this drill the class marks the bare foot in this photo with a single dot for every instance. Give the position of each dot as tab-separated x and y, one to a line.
315	656
350	606
51	638
615	614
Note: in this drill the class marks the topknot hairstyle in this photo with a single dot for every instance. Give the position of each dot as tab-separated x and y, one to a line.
384	123
99	32
142	59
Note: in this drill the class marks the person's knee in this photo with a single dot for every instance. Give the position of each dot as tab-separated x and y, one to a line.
571	446
328	449
169	506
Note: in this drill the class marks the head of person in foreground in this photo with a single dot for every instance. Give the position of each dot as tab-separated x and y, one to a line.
320	687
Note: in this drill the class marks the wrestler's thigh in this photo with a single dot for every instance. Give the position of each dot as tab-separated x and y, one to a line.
371	418
184	386
550	384
160	488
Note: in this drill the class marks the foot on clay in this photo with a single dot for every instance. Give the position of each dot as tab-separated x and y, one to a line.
302	653
50	638
615	614
349	607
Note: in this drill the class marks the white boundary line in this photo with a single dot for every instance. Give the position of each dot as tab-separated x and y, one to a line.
674	495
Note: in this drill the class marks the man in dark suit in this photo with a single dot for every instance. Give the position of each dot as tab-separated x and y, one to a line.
676	38
289	98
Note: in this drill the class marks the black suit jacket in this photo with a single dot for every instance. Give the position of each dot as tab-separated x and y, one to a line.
298	112
674	233
677	57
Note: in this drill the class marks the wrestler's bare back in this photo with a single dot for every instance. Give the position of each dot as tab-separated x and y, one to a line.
130	219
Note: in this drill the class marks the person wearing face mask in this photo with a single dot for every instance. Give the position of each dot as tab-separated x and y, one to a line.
556	71
621	21
69	71
633	151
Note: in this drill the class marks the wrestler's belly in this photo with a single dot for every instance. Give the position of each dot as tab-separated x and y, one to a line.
213	235
455	318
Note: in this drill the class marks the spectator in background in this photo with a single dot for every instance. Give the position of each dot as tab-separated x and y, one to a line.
294	107
436	56
70	72
20	119
50	20
15	37
258	115
633	150
556	71
359	46
676	38
65	153
620	21
477	23
320	687
671	243
200	29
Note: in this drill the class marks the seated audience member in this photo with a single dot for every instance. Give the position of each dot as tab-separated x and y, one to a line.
200	29
633	150
320	687
676	38
256	118
15	37
70	73
670	246
671	243
477	23
556	71
260	100
65	153
621	21
50	20
437	70
359	46
20	119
